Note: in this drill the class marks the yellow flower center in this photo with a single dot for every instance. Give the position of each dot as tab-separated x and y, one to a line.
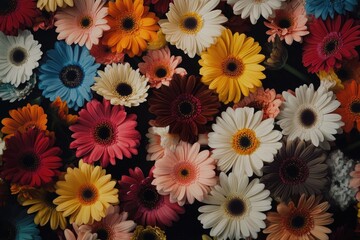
232	67
88	194
244	142
191	23
86	22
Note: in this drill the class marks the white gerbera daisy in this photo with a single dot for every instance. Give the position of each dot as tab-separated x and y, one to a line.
255	8
11	93
235	207
193	25
121	85
309	115
19	55
242	141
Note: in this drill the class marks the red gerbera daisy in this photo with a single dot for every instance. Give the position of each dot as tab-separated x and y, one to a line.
329	43
104	133
16	14
143	203
186	105
103	55
31	159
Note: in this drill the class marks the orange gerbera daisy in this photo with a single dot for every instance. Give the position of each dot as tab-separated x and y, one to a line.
349	109
302	222
131	27
23	119
63	111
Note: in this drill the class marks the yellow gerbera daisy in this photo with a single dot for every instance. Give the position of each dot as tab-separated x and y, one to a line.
42	203
231	66
85	194
332	77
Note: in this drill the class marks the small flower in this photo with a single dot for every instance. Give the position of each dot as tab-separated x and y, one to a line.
104	55
148	232
44	21
158	43
277	55
328	8
63	112
79	235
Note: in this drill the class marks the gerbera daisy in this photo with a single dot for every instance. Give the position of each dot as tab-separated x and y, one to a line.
62	111
31	159
298	168
159	140
159	67
349	109
148	232
82	24
104	132
309	115
330	79
235	207
23	119
186	174
241	141
77	234
16	224
42	204
265	100
44	21
9	92
16	14
131	27
289	23
20	55
51	5
231	66
193	25
254	8
157	43
355	180
103	54
68	72
121	85
114	226
305	221
186	106
330	43
144	204
325	8
85	194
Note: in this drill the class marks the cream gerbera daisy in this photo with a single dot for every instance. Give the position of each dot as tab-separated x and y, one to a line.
309	115
51	5
242	141
121	85
235	207
19	57
255	8
192	25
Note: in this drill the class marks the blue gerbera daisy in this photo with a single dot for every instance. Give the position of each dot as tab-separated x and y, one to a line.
16	224
325	8
68	72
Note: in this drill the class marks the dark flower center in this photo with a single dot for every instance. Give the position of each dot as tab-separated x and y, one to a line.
148	196
308	118
355	107
284	23
30	161
7	230
298	221
148	235
232	67
7	6
161	72
184	172
190	23
104	133
128	23
186	108
72	76
86	22
87	194
236	207
293	172
124	89
102	234
18	56
49	198
331	44
245	142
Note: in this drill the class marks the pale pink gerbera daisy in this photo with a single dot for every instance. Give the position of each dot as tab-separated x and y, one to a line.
289	23
159	67
186	174
265	100
104	133
114	226
82	24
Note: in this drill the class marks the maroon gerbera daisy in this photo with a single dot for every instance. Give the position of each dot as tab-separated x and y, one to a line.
186	106
160	6
17	14
329	43
143	203
30	158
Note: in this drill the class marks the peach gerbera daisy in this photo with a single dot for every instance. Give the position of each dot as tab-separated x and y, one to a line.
186	174
82	24
355	180
159	67
306	221
289	23
132	26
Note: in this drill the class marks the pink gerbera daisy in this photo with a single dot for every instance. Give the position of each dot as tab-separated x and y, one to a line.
144	204
103	54
104	133
265	100
82	24
159	66
355	180
330	43
186	174
289	23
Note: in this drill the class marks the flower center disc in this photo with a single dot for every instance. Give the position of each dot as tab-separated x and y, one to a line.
30	161
148	235
236	207
191	23
161	72
244	142
293	172
186	107
86	22
7	230
18	56
284	23
299	223
104	133
7	6
102	234
232	67
88	194
185	173
124	89
355	107
331	44
148	197
127	24
308	118
72	76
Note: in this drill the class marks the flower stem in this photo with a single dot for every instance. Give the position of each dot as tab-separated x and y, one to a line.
296	73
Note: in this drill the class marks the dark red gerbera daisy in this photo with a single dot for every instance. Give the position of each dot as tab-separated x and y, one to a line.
17	14
143	203
186	106
160	6
329	43
30	158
